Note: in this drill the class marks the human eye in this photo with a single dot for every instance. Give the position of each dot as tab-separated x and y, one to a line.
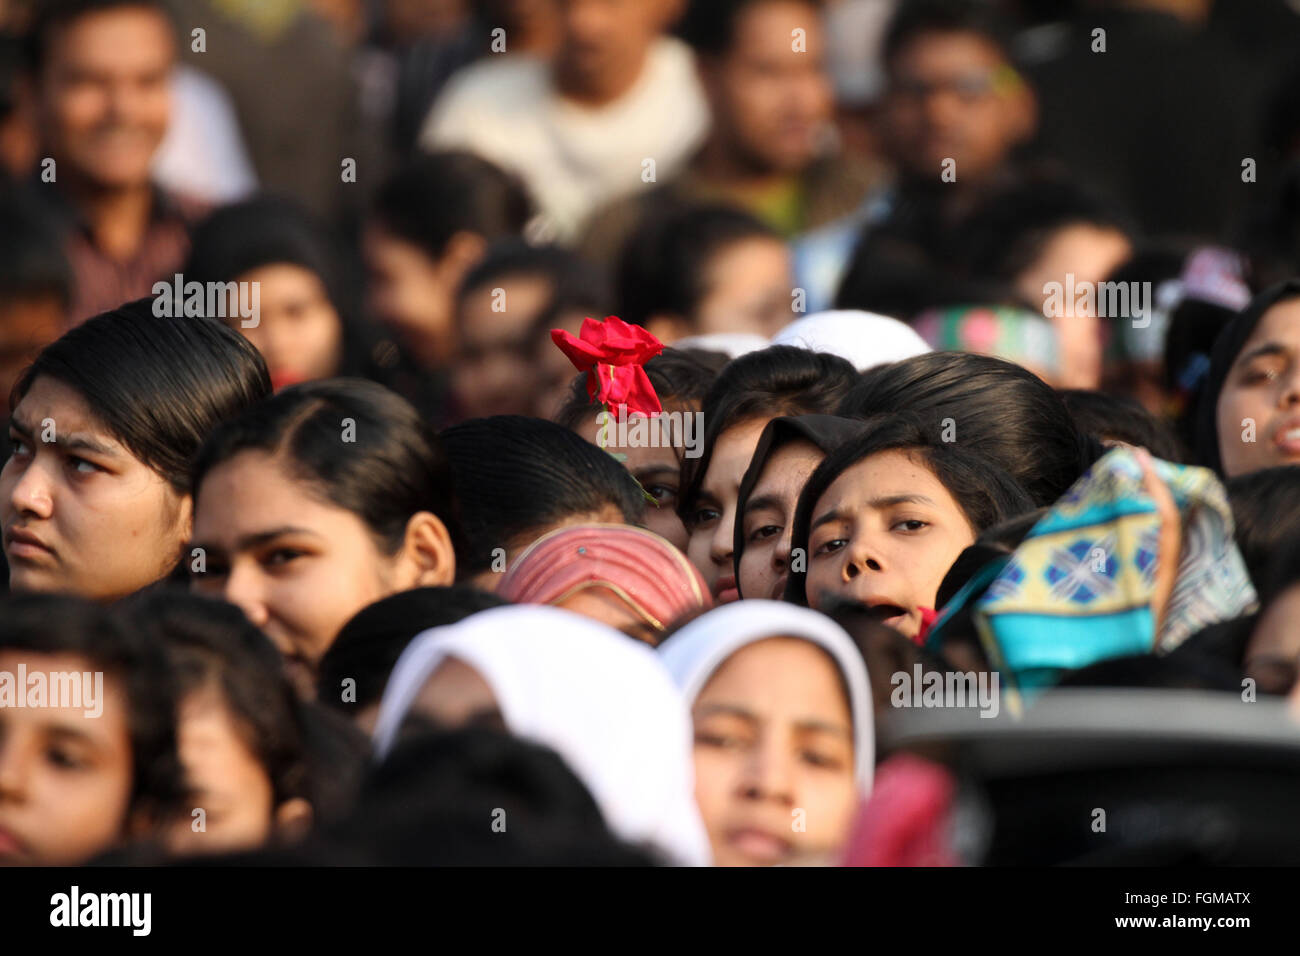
1261	372
83	466
830	546
820	759
65	758
662	494
910	525
279	557
18	445
765	531
703	517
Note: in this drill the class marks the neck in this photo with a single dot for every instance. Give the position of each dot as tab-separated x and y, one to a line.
117	217
602	90
721	165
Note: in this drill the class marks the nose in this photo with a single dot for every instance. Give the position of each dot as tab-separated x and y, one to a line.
14	766
33	492
861	557
245	590
781	553
723	543
768	773
1290	390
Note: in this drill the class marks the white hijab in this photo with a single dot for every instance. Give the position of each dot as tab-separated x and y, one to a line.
598	698
693	653
864	338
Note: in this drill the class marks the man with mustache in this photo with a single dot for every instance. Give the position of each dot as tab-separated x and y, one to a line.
101	75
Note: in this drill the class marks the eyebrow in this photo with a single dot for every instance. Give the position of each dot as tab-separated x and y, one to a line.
885	501
258	539
69	731
735	710
75	441
656	471
763	501
1268	349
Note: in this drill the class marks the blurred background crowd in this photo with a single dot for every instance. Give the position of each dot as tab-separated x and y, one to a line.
424	188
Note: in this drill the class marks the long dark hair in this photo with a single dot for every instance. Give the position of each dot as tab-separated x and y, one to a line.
362	446
985	493
159	385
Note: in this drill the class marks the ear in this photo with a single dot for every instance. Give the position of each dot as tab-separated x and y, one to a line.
1024	113
427	554
293	820
668	328
184	522
461	253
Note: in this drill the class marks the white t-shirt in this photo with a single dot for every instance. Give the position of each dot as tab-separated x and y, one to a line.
573	158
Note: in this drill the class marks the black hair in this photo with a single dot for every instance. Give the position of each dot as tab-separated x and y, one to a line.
663	265
516	476
363	447
771	382
435	799
112	642
1006	412
1185	672
1227	347
709	26
1266	513
985	493
159	385
368	645
434	196
572	279
1119	418
824	432
270	230
54	15
211	645
679	377
1008	230
32	261
917	18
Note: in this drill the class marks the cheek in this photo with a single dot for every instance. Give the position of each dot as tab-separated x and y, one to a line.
79	817
697	549
714	772
830	800
311	607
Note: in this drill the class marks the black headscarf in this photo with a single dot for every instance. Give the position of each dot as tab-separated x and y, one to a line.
1227	347
827	432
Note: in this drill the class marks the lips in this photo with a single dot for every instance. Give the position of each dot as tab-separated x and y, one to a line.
10	846
759	845
20	544
724	589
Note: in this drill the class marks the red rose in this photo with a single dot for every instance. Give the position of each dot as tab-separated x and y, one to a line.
612	353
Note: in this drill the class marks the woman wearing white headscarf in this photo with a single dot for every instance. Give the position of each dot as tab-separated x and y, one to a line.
784	737
864	338
601	700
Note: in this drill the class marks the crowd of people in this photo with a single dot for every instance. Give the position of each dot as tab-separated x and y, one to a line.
557	431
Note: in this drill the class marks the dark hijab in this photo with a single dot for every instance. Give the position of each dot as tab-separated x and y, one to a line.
826	432
1227	347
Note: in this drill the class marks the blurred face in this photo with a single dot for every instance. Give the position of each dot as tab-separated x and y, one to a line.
80	513
65	777
774	774
554	371
658	470
298	331
749	287
603	43
411	294
771	102
1090	254
456	695
769	512
603	605
885	533
711	544
496	371
27	325
1274	650
104	94
296	565
1258	414
952	96
225	779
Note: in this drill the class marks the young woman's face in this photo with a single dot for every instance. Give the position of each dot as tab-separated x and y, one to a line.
657	469
1258	415
81	513
749	289
298	332
765	522
774	766
297	566
226	781
885	533
710	544
65	775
